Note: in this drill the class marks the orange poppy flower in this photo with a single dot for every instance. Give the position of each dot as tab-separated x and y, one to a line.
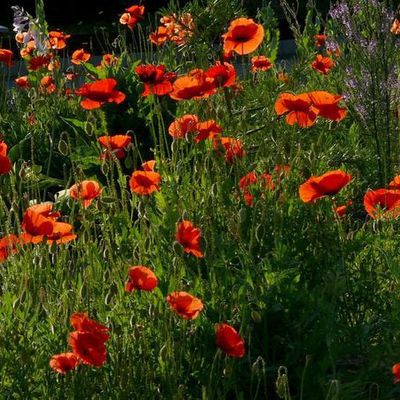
233	148
81	322
149	165
145	183
395	29
196	85
299	109
396	373
183	125
243	36
8	245
155	79
62	233
115	144
85	191
185	305
395	183
89	347
224	75
229	341
141	278
260	63
38	62
64	362
327	184
160	36
189	237
6	57
22	82
322	64
132	16
80	56
100	92
320	40
40	222
327	105
47	84
58	40
382	203
207	130
5	162
37	223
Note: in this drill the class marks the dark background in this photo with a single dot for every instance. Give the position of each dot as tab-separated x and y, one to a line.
81	16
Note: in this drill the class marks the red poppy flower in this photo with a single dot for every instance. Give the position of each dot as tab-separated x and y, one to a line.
320	40
8	245
62	233
183	125
64	362
327	105
155	79
396	370
80	56
185	305
341	211
196	85
395	183
5	162
100	92
81	322
149	165
224	75
327	184
299	109
22	82
38	62
145	183
89	347
6	57
86	191
36	224
189	237
108	60
233	148
132	16
268	181
141	278
382	203
322	64
260	63
243	36
207	130
115	144
58	40
245	184
229	341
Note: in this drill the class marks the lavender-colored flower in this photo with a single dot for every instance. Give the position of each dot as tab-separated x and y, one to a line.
21	19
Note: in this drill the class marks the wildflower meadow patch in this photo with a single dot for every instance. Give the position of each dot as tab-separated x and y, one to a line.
193	216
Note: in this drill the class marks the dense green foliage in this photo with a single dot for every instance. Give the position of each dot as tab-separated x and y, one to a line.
316	297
